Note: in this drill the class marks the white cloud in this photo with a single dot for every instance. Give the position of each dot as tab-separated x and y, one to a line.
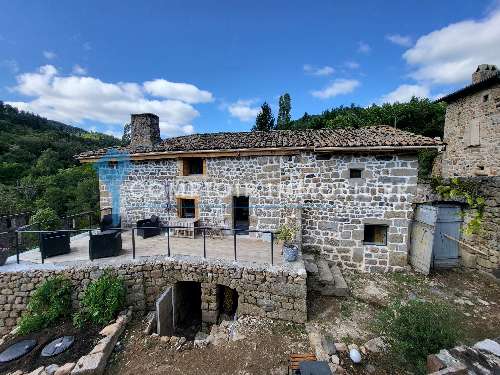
400	40
364	47
337	87
450	55
175	90
76	99
243	110
318	71
79	70
49	55
352	64
405	92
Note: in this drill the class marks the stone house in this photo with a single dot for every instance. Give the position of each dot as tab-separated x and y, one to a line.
472	124
472	154
348	191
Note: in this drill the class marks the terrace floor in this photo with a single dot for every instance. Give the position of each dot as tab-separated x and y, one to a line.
248	249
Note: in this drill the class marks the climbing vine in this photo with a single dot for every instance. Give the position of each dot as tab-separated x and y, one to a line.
468	191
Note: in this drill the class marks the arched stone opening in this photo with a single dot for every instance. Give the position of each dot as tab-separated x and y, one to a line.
227	303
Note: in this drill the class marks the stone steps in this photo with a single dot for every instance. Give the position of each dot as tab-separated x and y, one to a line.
325	278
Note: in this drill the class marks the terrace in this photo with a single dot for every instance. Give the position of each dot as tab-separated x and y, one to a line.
239	245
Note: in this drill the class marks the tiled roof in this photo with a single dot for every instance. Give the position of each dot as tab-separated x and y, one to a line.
364	137
470	89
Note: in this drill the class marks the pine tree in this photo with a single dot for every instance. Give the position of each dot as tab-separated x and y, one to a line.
126	134
265	119
284	111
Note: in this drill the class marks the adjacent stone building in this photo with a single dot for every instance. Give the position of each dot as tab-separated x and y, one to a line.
348	191
472	127
472	154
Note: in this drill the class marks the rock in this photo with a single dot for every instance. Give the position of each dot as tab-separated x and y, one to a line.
352	346
110	330
201	339
370	369
489	346
65	369
373	294
182	340
328	345
90	364
38	371
335	359
375	345
315	340
340	347
150	323
311	267
218	335
51	369
355	355
165	339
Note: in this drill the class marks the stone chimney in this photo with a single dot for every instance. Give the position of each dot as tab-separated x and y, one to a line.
484	71
144	129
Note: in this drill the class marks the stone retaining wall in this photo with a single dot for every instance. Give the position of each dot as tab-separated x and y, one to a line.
275	291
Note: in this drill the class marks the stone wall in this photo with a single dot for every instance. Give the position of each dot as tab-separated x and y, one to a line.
307	189
477	113
274	292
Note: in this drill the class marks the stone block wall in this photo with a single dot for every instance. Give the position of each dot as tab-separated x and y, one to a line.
479	112
311	190
274	292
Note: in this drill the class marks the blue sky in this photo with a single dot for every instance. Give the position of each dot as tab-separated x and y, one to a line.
206	66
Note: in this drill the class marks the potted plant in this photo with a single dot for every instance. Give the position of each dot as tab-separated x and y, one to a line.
287	234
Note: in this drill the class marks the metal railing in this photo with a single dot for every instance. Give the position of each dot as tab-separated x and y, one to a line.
203	230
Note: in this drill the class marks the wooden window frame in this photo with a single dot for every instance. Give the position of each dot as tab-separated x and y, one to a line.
384	227
184	167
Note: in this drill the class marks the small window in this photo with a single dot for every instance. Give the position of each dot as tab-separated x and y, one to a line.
355	173
113	164
485	98
323	156
187	208
375	234
192	166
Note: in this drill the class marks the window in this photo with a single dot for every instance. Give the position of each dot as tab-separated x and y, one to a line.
323	156
355	173
375	234
186	208
473	133
112	164
192	166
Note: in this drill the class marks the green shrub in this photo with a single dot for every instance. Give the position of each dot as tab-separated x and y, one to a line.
416	329
102	300
47	219
50	302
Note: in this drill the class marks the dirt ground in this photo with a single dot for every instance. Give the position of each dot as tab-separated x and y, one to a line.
267	344
85	339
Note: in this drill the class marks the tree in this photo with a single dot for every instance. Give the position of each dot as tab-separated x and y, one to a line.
265	119
284	111
126	135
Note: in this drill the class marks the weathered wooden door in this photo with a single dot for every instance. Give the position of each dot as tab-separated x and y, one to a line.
445	250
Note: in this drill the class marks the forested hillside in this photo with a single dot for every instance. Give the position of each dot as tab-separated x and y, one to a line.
37	168
420	116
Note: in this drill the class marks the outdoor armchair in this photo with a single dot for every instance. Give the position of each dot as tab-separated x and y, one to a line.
149	227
